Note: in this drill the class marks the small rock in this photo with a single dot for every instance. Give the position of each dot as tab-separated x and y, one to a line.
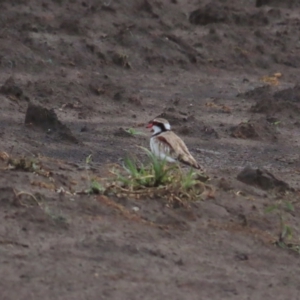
210	13
242	256
117	96
136	100
179	262
171	109
262	178
244	131
210	131
10	88
84	129
225	184
272	119
46	119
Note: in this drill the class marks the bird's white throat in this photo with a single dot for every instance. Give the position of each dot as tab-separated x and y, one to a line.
155	129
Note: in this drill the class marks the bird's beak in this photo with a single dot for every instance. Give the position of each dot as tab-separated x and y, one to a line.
149	125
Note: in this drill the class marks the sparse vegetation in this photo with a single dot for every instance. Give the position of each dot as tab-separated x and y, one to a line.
95	188
25	164
276	123
57	217
155	179
121	59
280	208
134	132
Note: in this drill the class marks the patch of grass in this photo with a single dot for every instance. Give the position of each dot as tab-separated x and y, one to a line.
57	217
96	188
280	208
158	179
134	132
24	164
276	123
139	175
121	59
88	160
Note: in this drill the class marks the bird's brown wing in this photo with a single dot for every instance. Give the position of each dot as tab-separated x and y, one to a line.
178	149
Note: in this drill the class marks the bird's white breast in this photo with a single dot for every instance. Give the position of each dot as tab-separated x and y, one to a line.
160	149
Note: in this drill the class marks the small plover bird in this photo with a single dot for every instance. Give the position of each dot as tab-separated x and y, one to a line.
165	144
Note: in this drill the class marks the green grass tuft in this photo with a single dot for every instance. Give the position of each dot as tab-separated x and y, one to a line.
160	178
156	178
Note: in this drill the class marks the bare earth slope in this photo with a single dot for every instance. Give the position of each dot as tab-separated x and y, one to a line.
105	66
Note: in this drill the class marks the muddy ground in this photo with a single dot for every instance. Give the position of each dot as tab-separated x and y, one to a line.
225	74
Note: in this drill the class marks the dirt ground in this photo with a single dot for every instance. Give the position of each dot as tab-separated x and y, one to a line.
224	73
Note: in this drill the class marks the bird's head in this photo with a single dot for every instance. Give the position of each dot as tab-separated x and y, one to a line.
159	125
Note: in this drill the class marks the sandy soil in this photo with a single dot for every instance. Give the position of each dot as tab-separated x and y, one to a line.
105	66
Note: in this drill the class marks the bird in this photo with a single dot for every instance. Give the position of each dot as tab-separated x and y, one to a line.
166	145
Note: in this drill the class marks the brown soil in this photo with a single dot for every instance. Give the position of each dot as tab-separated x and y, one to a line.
94	69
